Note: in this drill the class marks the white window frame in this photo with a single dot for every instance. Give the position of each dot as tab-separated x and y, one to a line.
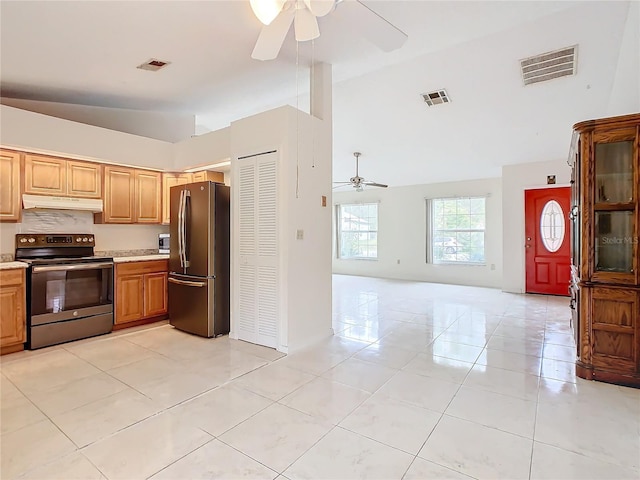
431	233
339	229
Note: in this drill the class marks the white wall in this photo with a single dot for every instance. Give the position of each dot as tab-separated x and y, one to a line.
168	127
402	230
305	264
204	149
26	130
515	179
625	93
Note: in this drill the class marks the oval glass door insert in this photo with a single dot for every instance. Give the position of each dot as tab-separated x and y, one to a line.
552	226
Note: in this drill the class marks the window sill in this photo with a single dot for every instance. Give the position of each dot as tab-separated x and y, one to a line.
359	259
463	264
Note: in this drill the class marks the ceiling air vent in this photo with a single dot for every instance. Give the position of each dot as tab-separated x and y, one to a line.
153	65
436	98
547	66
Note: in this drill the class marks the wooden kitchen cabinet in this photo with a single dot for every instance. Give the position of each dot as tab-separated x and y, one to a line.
605	286
148	196
172	179
119	195
45	175
84	179
12	310
141	291
205	175
131	196
10	201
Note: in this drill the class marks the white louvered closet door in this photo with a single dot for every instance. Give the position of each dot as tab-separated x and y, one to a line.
257	285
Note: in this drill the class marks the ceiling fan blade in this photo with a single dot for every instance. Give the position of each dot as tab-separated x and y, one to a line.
342	183
306	25
374	184
272	36
370	25
320	8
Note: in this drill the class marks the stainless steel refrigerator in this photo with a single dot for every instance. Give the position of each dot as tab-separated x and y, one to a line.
199	283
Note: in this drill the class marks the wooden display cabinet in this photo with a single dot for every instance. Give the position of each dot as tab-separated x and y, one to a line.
605	286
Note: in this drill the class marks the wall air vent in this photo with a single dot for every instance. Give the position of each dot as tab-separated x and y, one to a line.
436	98
153	65
550	65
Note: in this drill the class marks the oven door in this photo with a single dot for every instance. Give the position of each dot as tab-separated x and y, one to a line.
70	291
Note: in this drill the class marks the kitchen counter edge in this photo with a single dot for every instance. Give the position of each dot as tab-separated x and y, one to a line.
10	265
140	258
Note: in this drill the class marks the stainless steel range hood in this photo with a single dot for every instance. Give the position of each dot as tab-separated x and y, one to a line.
61	203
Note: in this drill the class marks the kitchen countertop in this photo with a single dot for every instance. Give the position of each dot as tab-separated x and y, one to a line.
8	265
141	258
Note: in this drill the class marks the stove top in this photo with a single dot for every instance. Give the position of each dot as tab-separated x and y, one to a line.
52	249
65	260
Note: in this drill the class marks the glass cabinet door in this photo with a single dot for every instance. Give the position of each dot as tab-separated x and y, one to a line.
614	241
614	172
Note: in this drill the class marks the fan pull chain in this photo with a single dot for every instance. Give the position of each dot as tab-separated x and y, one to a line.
297	123
313	136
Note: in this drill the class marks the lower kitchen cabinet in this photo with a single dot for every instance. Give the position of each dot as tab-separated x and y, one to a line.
141	291
12	309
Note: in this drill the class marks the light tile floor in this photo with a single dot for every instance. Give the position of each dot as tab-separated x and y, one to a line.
420	381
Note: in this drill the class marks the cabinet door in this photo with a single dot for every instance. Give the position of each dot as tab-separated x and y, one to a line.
206	175
129	298
171	180
119	192
614	329
9	186
84	179
12	308
148	196
155	294
45	175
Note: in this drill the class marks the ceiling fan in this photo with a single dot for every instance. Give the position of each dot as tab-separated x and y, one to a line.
357	181
278	15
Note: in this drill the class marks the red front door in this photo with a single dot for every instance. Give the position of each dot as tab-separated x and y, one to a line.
548	258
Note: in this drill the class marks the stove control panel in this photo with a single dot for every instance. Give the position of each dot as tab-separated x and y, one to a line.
32	240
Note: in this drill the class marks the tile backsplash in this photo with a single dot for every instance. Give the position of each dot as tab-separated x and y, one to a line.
112	238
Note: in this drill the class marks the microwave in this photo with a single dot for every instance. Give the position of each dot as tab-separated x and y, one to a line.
163	243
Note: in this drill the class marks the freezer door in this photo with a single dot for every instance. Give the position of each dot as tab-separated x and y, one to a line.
191	305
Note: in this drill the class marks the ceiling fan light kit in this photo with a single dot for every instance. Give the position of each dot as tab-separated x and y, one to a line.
278	15
357	181
266	10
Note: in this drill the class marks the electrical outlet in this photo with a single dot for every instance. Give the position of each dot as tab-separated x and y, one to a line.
324	200
299	234
493	266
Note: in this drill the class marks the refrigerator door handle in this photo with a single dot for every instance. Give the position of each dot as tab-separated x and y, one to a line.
187	194
180	242
187	283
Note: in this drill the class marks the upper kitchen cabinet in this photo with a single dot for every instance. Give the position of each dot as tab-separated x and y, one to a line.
131	196
119	195
84	179
205	175
9	186
148	196
171	180
57	176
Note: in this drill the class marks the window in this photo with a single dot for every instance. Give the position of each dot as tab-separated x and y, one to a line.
456	230
358	230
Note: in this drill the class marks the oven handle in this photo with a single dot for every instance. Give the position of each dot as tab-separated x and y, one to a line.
187	283
79	266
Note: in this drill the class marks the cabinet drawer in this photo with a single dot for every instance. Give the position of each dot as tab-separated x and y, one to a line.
12	277
148	266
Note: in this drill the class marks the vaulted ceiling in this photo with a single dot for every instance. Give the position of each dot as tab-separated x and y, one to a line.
86	53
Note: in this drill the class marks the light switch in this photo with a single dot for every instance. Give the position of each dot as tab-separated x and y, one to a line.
299	234
324	200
